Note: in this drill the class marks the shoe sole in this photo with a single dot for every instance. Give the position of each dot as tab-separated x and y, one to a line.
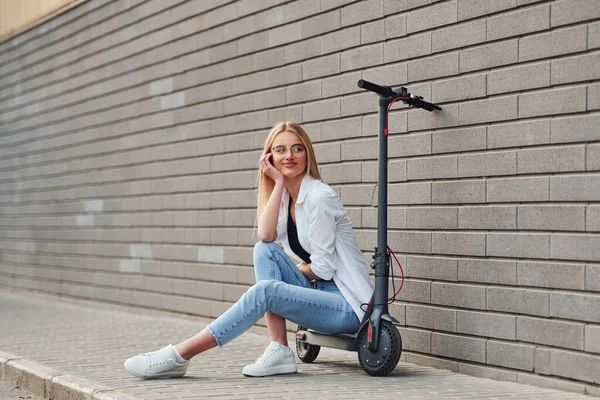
275	371
171	374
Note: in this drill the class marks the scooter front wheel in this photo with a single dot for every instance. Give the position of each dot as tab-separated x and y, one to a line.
306	352
385	359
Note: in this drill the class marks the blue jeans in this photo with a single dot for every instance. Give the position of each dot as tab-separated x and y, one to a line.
283	290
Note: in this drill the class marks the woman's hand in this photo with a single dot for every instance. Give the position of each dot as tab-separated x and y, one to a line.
306	271
268	169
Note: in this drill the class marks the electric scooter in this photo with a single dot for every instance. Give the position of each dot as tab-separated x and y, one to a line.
377	341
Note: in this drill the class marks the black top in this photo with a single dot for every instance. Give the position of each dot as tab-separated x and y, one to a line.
293	237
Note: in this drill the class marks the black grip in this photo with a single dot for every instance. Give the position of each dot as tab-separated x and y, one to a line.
384	91
427	106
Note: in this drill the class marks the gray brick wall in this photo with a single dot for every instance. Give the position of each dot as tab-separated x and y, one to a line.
130	132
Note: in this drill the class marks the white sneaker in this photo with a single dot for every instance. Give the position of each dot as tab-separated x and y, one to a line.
157	364
275	360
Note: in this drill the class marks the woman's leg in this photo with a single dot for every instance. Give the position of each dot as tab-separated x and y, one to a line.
270	263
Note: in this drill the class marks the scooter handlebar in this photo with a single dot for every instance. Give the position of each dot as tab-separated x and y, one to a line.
382	90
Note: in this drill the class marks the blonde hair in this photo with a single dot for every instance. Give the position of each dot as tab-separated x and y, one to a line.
266	184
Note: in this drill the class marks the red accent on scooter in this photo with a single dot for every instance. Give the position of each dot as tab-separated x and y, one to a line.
370	334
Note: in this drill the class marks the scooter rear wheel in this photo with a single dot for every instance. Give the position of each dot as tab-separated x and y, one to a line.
306	352
385	359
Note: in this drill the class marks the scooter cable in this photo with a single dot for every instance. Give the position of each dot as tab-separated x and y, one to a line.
401	271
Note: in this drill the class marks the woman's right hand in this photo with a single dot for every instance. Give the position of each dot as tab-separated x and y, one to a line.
268	169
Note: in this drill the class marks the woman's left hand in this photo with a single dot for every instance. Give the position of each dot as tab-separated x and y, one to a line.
306	271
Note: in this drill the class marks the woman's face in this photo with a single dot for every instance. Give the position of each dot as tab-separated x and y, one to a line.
289	154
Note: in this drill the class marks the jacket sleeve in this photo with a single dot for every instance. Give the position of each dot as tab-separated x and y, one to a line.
323	212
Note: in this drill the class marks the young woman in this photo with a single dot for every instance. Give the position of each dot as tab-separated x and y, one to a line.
323	292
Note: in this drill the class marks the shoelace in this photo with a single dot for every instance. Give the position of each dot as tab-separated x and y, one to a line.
268	353
152	359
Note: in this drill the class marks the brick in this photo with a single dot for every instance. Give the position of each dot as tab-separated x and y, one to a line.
536	104
320	110
407	48
487	217
436	268
462	348
518	78
567	12
303	92
547	382
372	32
391	75
302	50
526	245
550	332
517	189
433	67
592	277
592	339
459	89
341	129
592	218
357	195
421	120
322	66
594	35
321	23
395	26
432	218
461	35
487	324
431	168
487	372
542	361
409	145
285	34
341	173
518	23
428	317
468	9
592	157
410	242
593	97
431	17
487	271
488	164
328	152
553	44
551	275
458	295
358	104
396	218
361	12
583	367
582	307
415	340
518	134
415	291
496	109
395	6
555	159
575	69
510	355
522	301
362	57
458	140
293	113
339	40
575	187
489	56
284	75
554	218
341	84
472	191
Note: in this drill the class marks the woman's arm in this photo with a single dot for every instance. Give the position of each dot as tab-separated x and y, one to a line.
267	225
306	271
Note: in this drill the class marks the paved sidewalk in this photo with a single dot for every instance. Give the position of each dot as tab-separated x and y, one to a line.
83	347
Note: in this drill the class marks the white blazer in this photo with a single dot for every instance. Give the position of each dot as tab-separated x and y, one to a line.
325	232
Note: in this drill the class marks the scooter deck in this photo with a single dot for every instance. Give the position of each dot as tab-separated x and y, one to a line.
342	341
